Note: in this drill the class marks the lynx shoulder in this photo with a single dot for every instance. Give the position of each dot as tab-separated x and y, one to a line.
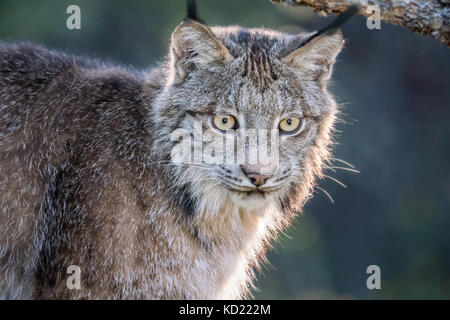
68	127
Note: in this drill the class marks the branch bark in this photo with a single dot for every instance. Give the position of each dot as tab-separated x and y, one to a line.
427	17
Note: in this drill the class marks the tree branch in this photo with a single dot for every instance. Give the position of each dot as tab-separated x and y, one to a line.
427	17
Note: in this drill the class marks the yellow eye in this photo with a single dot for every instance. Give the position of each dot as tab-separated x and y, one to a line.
289	125
224	123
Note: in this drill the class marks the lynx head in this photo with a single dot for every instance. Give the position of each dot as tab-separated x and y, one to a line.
224	81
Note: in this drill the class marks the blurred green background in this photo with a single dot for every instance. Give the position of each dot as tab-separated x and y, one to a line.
393	86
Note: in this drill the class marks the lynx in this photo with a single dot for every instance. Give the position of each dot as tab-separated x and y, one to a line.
86	176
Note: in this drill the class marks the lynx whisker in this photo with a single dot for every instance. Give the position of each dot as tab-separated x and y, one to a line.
344	162
335	180
343	168
326	193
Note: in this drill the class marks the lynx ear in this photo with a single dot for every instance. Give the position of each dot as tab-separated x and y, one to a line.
315	58
194	45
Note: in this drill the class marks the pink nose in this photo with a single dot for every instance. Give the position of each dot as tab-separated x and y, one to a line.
253	173
258	179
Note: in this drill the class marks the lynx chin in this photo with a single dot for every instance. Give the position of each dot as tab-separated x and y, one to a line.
87	178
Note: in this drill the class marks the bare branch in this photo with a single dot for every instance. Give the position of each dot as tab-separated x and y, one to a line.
427	17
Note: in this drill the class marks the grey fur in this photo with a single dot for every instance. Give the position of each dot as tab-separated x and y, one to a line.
85	175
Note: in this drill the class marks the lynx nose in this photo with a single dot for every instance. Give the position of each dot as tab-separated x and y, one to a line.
255	177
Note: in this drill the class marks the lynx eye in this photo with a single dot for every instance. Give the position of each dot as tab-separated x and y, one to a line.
290	125
224	123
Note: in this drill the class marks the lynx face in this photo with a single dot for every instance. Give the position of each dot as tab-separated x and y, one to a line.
232	81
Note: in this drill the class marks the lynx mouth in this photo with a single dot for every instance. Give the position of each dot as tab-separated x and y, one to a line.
251	192
255	192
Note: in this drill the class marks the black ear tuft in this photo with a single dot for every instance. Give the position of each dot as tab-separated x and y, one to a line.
338	22
192	11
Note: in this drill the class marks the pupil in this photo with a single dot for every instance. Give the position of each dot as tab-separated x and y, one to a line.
224	120
289	122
